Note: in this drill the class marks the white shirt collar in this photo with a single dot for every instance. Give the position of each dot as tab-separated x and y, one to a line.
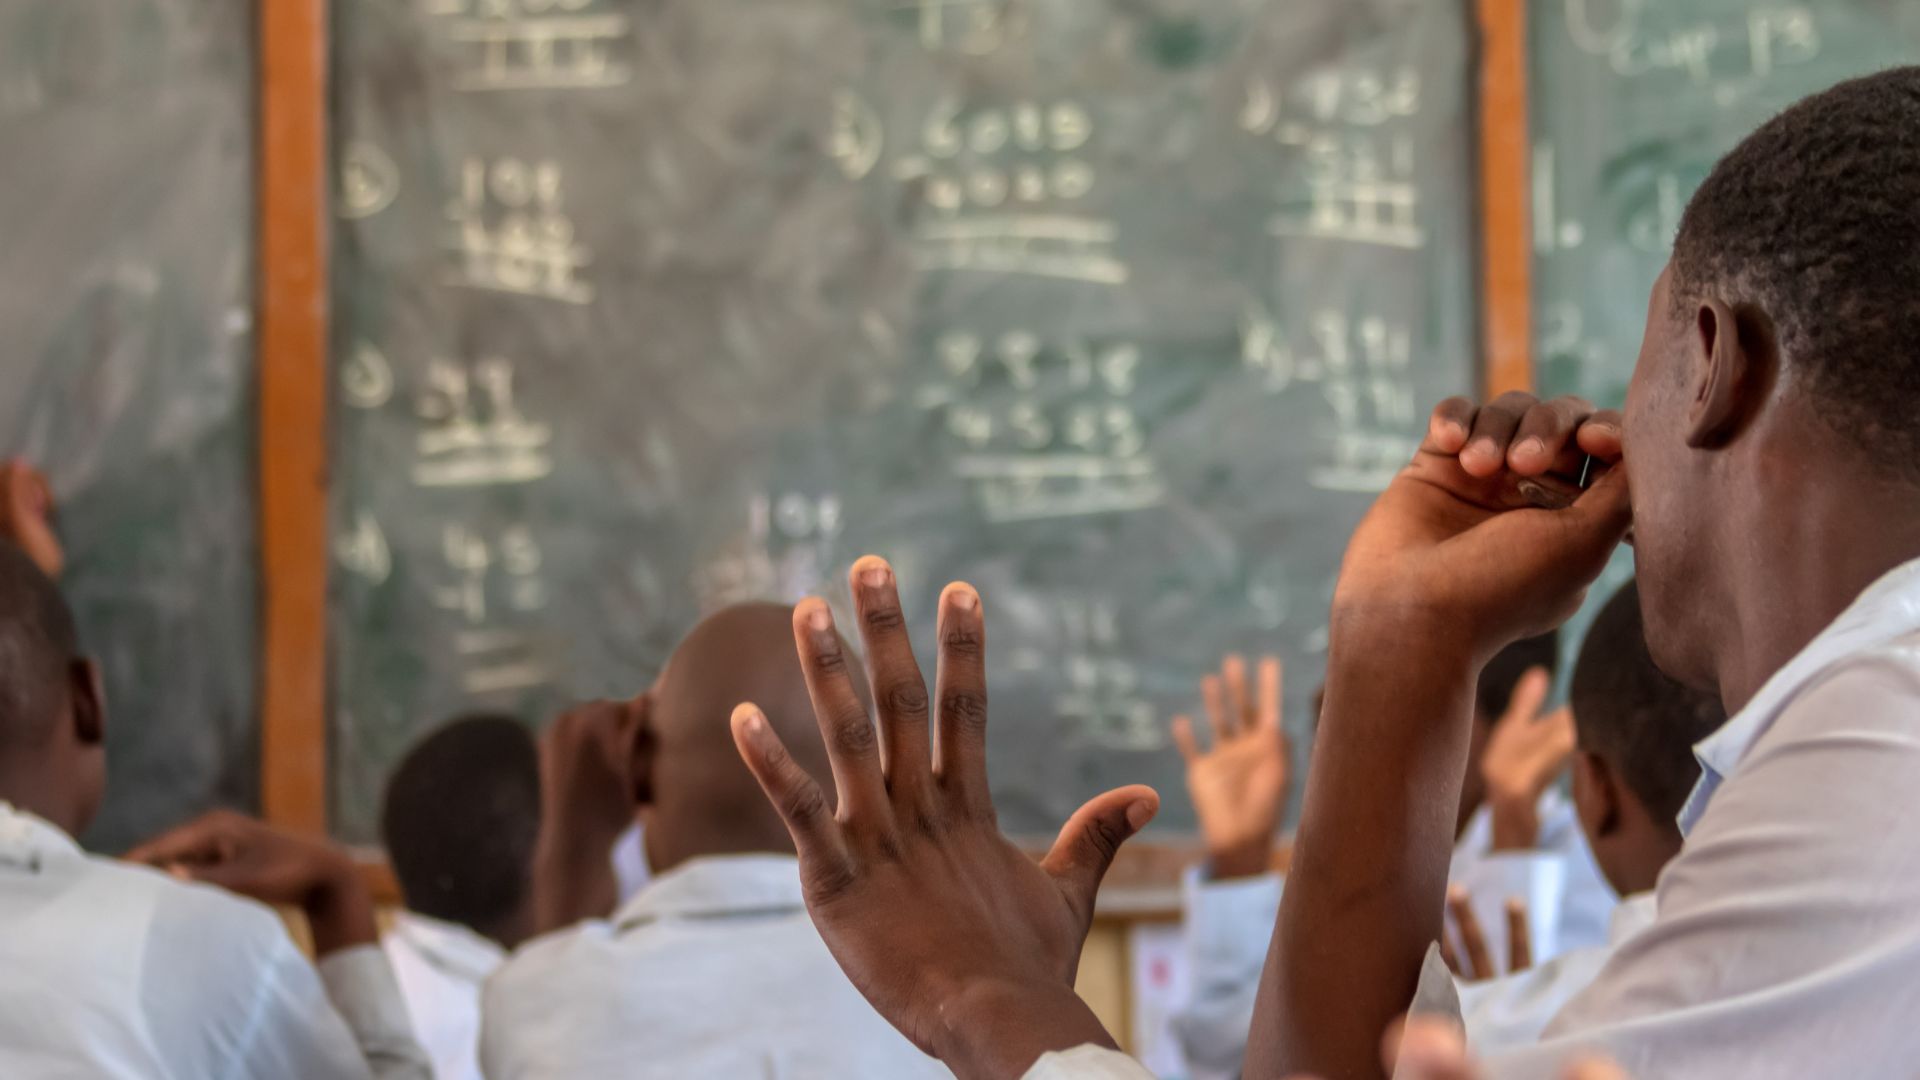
716	887
26	841
448	946
1887	609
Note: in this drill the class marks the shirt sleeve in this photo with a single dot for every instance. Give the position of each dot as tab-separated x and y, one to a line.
360	984
1783	944
1087	1063
1229	928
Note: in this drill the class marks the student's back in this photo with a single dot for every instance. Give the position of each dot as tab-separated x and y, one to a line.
714	968
113	970
120	971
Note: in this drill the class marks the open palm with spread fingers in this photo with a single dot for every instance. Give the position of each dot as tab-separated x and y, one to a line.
956	936
1239	783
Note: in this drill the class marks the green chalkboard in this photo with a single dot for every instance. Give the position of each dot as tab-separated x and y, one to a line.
1632	102
1120	309
126	202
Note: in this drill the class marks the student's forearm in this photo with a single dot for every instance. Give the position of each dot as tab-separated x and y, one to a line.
573	877
1365	893
339	910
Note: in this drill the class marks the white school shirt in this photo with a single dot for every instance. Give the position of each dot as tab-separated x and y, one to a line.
1230	924
1512	1011
1787	938
713	969
114	970
440	967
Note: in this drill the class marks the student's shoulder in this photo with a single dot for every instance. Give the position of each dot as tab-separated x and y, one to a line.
1867	687
194	911
557	955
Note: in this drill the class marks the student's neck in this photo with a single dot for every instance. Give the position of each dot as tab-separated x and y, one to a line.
1811	552
666	853
30	789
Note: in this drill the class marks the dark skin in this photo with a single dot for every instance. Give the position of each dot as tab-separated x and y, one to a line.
669	755
272	866
964	943
62	776
1754	527
1630	843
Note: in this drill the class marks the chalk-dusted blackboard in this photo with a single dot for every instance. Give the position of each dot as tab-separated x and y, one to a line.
1120	309
126	206
1632	102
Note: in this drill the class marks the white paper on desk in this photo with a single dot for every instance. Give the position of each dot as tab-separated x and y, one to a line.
1162	983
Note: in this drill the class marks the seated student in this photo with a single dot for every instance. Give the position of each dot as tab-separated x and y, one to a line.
459	820
1634	768
1772	430
713	968
1515	836
118	970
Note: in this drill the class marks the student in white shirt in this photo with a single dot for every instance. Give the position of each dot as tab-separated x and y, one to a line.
113	969
459	818
1632	772
1238	785
713	968
1772	436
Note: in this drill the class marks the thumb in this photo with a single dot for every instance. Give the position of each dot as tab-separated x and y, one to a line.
1090	839
1601	517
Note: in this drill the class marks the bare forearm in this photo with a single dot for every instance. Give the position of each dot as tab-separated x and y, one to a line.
1368	882
573	876
339	911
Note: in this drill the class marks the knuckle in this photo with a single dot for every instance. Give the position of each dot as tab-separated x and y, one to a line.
962	638
830	660
965	709
905	697
853	735
825	880
802	802
1104	838
883	618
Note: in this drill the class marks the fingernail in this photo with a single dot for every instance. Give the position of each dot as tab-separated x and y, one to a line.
965	598
820	618
1140	813
875	573
1532	447
1456	895
749	718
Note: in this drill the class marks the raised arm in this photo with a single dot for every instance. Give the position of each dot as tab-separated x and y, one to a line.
1453	562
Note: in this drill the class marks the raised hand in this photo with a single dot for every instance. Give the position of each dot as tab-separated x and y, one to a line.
958	938
1523	756
26	516
1239	784
257	860
588	798
1478	963
1460	535
1455	560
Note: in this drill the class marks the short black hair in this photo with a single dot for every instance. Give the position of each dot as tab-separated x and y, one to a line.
37	644
1502	673
1816	217
1630	713
461	816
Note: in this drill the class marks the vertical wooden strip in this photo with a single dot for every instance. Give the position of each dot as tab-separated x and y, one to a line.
293	409
1505	190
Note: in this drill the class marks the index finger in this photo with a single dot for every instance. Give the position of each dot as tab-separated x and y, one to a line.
1519	937
853	747
1472	940
202	840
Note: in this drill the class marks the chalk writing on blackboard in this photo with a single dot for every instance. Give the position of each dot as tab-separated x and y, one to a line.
1777	35
512	232
363	549
366	379
369	180
473	432
534	44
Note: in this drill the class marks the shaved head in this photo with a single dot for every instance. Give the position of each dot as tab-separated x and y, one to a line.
700	798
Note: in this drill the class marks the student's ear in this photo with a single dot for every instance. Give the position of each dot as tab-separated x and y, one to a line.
1731	364
643	751
88	693
1596	795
